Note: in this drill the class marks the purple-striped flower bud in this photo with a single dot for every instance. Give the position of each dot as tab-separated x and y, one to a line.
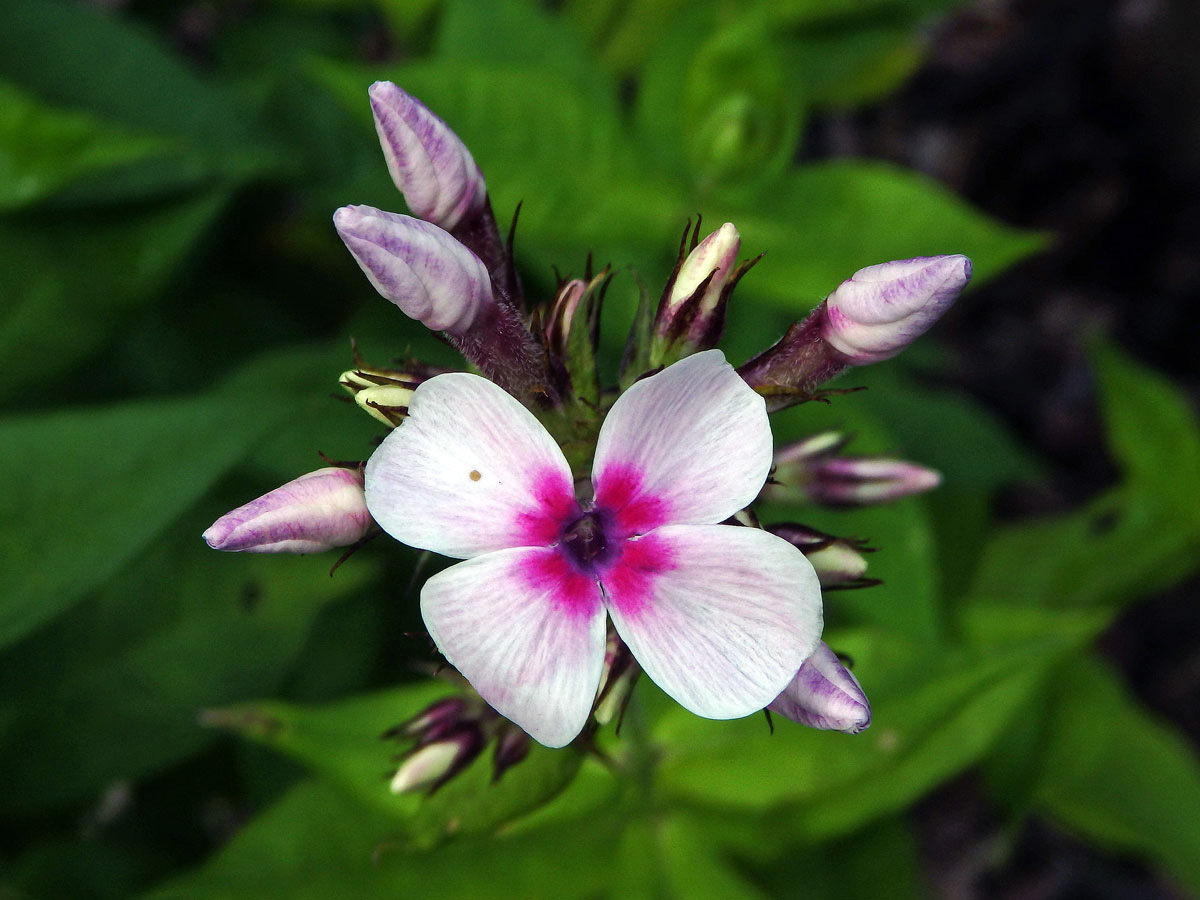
428	162
432	765
419	267
512	746
882	309
825	695
810	471
318	511
861	480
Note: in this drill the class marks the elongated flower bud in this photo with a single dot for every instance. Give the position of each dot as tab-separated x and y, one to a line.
428	162
418	266
824	695
837	561
383	393
809	471
882	309
316	512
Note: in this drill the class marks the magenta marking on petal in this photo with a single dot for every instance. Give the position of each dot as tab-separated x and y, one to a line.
573	594
619	489
555	499
629	584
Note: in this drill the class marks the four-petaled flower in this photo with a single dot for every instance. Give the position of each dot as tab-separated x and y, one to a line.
721	617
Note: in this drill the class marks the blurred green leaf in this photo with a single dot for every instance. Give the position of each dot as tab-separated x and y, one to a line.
1119	776
317	843
43	148
114	69
719	104
937	711
823	222
342	742
1143	535
62	305
180	628
99	484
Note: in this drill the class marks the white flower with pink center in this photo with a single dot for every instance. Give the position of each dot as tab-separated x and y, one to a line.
721	617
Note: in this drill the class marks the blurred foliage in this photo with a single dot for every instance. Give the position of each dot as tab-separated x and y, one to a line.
176	308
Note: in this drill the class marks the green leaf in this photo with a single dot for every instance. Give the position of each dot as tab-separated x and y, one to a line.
43	148
936	712
149	90
1152	428
1119	776
90	488
341	741
317	843
823	222
1143	535
63	305
179	629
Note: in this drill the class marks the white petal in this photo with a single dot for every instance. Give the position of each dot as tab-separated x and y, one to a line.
469	471
690	445
719	616
527	632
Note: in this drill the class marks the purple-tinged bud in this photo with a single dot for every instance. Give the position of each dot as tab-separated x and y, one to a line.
809	471
428	162
512	746
434	720
861	480
839	562
617	682
882	309
824	695
419	267
432	765
318	511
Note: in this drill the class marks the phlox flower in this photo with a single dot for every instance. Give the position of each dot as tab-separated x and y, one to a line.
721	617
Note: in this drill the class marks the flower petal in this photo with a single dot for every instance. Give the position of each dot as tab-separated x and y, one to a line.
469	471
527	632
719	616
690	445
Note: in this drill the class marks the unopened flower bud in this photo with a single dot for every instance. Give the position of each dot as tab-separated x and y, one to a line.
860	480
837	561
824	695
829	480
428	162
691	313
432	765
617	682
882	309
418	266
317	511
435	720
707	269
562	314
512	746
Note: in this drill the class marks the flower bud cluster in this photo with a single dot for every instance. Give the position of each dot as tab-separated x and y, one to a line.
446	737
447	266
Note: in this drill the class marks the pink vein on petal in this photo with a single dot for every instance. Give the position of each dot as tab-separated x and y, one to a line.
619	488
